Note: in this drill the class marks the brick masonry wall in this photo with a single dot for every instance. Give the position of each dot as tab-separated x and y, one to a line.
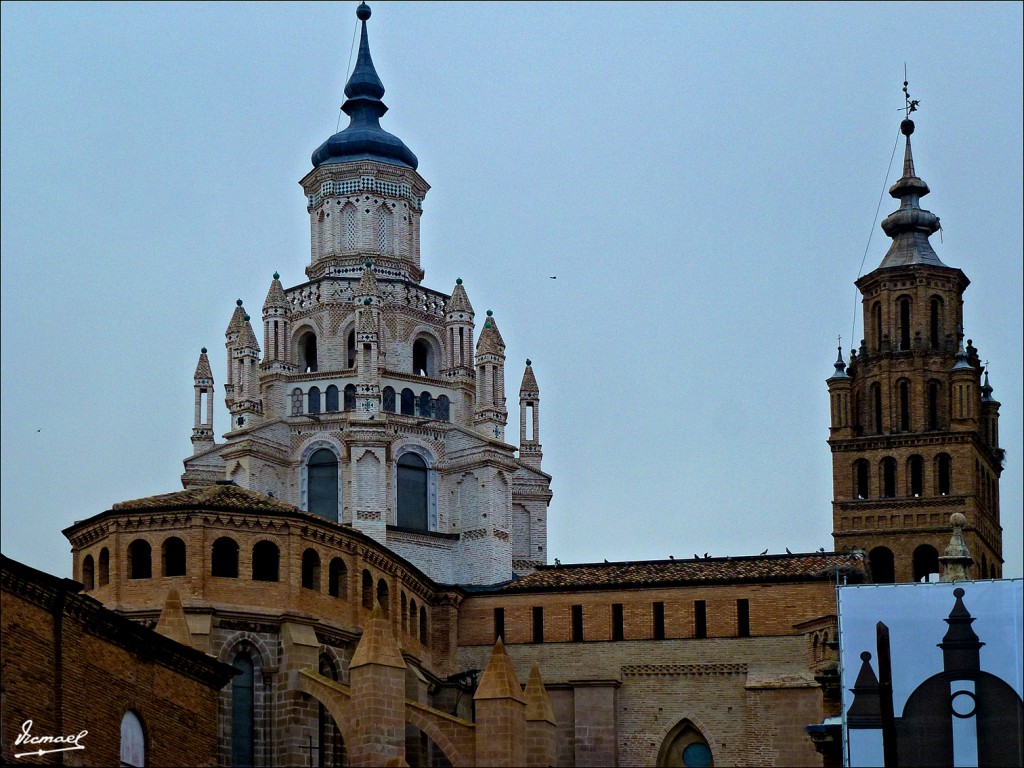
99	683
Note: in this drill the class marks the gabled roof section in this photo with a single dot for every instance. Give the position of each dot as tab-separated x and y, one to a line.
490	337
459	301
529	380
221	496
203	366
275	296
815	566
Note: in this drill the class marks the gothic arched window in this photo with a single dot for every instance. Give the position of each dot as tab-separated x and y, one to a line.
935	327
904	305
876	321
322	483
915	468
385	227
388	395
882	565
337	578
442	409
413	618
133	741
686	746
88	573
314	399
140	560
926	563
876	406
350	349
225	558
367	595
383	597
944	472
903	391
425	405
307	352
412	492
889	477
243	699
331	398
861	478
350	240
174	556
934	389
311	570
423	624
266	559
422	358
408	402
104	567
350	397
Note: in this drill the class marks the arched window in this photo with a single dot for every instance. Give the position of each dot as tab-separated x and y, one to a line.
915	468
933	405
266	560
174	556
425	406
88	573
903	390
331	750
104	567
926	563
904	304
412	492
414	618
385	236
882	565
350	349
408	402
322	483
225	558
307	352
243	699
876	405
350	397
133	741
423	624
876	321
140	560
337	579
984	566
442	410
314	399
889	477
388	395
935	327
422	358
296	402
383	597
367	590
944	472
311	570
861	478
405	613
331	398
350	238
686	746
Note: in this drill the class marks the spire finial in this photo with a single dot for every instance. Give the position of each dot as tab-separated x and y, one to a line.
363	12
840	364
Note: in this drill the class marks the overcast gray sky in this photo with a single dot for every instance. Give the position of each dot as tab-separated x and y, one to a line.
702	179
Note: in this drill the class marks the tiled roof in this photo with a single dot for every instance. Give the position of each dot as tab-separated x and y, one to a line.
529	380
203	367
804	567
230	497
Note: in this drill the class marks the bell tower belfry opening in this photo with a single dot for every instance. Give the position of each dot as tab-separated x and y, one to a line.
914	426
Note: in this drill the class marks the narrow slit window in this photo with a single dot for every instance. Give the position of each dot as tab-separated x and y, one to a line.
538	624
618	622
659	620
577	623
743	618
499	624
700	619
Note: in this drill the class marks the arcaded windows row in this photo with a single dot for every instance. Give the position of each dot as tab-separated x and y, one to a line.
414	620
904	337
882	564
618	622
903	418
423	355
914	480
139	562
408	403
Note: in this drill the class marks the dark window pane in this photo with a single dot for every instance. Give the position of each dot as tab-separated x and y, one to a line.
322	480
412	492
350	397
265	561
242	730
314	399
700	619
389	399
659	621
538	624
174	557
331	396
408	402
618	628
499	623
743	618
443	408
577	623
225	558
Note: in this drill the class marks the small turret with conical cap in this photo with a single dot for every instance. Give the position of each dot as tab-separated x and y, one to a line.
530	452
202	429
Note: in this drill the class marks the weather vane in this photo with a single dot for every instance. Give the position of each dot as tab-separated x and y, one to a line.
910	104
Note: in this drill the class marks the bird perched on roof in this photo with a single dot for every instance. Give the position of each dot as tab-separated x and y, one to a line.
788	552
765	552
821	549
705	555
696	556
606	559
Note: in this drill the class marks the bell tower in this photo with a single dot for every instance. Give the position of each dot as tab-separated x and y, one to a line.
914	433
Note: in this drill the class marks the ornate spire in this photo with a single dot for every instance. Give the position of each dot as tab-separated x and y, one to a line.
368	287
910	225
235	324
203	367
490	337
960	645
986	390
364	139
459	301
957	561
840	366
275	296
529	380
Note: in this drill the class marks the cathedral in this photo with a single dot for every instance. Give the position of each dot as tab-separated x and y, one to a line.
362	555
